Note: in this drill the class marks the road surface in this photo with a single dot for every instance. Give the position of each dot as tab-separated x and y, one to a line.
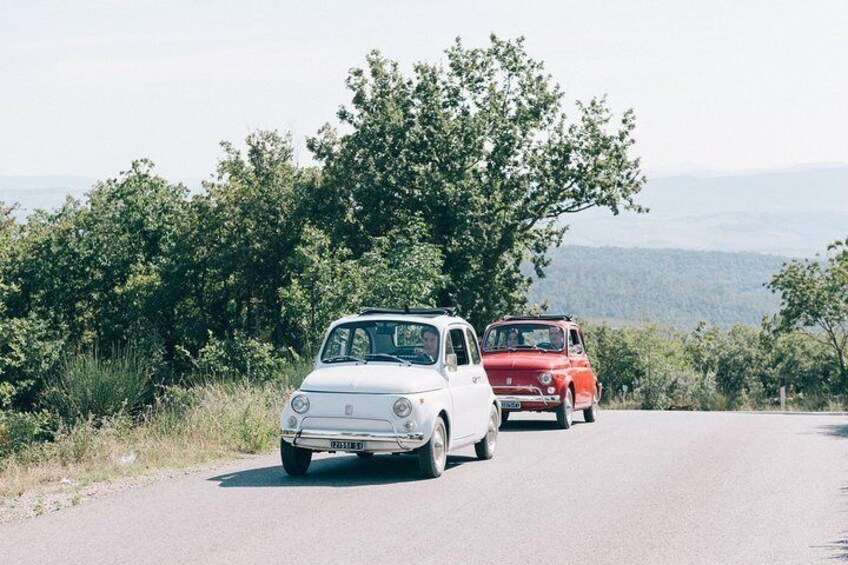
635	487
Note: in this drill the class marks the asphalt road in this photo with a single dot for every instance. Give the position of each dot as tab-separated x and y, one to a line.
635	487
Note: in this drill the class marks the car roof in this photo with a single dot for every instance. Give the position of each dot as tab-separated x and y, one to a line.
440	321
561	321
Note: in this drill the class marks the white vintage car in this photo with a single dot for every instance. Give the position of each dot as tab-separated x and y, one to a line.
393	381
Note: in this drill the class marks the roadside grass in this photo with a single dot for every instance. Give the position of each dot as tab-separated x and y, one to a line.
185	427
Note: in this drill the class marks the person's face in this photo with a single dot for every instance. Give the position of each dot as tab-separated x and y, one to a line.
512	339
431	344
557	338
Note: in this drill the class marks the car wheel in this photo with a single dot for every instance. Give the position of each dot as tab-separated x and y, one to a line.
296	460
565	411
433	456
485	448
504	418
590	414
364	454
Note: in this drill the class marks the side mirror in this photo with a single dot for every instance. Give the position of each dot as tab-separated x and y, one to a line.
577	349
450	358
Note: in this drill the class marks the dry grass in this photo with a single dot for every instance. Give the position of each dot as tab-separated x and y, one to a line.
187	427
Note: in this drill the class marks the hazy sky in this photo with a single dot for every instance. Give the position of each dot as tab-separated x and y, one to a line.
85	87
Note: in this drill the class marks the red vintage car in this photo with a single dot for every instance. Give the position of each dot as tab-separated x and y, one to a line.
539	364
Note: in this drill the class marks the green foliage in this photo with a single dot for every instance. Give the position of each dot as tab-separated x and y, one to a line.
401	269
814	300
19	429
480	151
240	357
30	351
97	268
91	385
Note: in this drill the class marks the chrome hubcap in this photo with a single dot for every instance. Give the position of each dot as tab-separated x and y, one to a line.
439	451
492	434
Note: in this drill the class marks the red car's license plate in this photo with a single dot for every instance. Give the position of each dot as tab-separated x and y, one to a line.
510	404
347	445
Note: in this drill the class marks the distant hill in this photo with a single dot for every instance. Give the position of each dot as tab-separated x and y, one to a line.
41	192
795	212
669	286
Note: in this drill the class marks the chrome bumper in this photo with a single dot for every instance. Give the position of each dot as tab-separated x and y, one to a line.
379	441
546	399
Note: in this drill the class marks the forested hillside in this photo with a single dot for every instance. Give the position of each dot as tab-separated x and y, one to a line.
670	286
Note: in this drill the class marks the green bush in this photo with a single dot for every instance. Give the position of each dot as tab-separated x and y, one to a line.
93	386
240	357
21	429
30	352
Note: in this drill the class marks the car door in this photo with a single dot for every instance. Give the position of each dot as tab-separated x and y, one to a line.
462	385
479	378
581	370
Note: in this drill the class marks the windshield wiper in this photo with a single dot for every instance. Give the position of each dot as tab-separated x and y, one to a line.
389	356
342	358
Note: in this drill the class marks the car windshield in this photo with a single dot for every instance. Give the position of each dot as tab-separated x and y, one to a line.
382	341
514	337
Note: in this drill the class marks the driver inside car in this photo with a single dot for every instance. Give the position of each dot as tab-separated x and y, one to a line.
557	338
430	344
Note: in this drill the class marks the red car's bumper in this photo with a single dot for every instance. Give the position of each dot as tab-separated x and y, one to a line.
517	398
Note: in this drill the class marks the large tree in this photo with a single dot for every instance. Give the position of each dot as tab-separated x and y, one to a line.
814	300
481	152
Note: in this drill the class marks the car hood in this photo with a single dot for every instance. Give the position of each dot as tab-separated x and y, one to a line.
524	360
374	378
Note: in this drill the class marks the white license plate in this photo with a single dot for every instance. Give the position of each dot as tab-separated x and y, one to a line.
510	404
347	445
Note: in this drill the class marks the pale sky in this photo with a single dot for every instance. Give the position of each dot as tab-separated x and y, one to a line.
85	87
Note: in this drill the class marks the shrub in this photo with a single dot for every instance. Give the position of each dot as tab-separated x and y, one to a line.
21	429
30	352
238	357
91	385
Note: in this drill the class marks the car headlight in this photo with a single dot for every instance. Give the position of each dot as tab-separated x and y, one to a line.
300	404
546	378
402	407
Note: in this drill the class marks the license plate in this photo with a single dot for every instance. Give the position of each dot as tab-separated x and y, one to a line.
347	445
510	404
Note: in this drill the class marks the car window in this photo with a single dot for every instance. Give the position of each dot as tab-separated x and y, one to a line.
456	345
472	346
515	336
382	341
575	346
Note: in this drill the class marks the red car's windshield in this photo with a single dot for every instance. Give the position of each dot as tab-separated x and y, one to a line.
513	337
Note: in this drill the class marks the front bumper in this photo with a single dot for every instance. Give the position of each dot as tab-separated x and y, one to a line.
534	400
373	441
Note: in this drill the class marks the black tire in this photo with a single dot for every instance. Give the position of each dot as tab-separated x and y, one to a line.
364	454
433	456
565	411
296	460
590	414
485	448
504	418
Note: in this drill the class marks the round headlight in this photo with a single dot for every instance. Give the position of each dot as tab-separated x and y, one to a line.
402	407
300	404
546	378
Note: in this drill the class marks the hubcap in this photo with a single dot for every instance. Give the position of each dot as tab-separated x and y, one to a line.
492	434
439	447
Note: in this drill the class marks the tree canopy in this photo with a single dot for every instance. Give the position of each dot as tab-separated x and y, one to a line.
480	152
